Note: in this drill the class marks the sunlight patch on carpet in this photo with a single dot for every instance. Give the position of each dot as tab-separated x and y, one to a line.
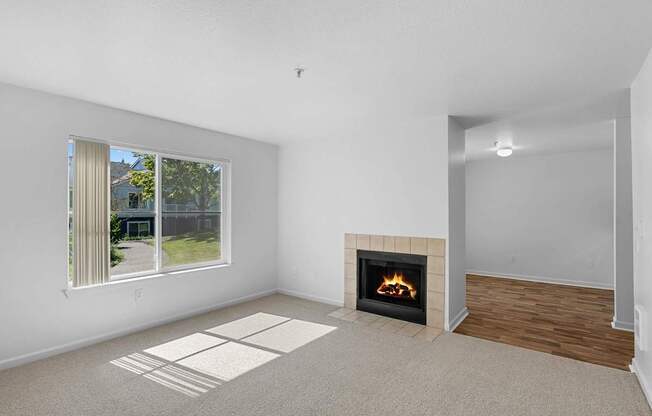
183	381
241	328
195	364
183	347
289	336
137	363
228	361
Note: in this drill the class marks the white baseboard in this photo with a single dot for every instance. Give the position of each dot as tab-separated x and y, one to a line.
542	279
59	349
458	319
310	297
623	326
642	380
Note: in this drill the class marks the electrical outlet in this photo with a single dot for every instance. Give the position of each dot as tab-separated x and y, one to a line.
138	293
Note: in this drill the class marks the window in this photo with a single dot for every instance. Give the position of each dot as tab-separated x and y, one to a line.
190	201
138	229
133	193
134	200
165	212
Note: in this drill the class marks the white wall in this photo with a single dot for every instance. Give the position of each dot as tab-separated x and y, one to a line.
641	108
386	178
547	217
456	224
623	226
34	314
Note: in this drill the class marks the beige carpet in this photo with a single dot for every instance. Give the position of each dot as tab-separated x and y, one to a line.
314	370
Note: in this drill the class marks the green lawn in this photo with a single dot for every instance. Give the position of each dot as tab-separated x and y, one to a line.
190	248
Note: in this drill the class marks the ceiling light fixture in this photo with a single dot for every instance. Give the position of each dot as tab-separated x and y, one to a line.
299	70
503	150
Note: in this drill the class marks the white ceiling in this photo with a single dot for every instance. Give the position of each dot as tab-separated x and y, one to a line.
568	127
228	65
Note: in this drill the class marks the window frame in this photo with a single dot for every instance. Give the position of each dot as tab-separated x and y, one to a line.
225	218
137	197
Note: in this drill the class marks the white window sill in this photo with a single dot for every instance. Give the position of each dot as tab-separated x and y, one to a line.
139	279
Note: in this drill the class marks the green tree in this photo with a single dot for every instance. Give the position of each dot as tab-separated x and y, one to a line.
144	179
116	230
183	181
116	236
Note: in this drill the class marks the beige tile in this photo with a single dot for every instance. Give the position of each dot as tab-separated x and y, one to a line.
418	246
411	329
350	271
350	286
436	247
349	255
351	316
393	325
389	244
362	242
340	312
376	242
428	333
349	300
402	244
349	240
435	318
366	318
436	265
435	300
436	283
382	320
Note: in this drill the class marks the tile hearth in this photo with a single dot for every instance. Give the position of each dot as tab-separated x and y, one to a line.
433	248
385	324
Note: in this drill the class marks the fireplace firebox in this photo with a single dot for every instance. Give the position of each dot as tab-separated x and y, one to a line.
392	284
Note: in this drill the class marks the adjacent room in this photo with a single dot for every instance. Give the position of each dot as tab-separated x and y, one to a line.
545	198
326	208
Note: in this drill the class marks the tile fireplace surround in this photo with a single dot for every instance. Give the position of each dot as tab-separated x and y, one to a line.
433	248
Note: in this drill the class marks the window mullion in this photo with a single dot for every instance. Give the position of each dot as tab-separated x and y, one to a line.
159	213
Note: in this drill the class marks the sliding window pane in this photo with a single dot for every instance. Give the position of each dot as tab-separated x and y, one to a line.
133	195
191	212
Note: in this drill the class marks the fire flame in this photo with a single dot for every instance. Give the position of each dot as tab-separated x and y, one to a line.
397	286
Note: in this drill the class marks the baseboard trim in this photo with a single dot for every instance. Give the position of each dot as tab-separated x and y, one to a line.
542	279
307	296
642	381
461	316
60	349
623	326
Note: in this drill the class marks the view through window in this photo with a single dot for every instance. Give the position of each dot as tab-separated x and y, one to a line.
133	213
191	211
184	200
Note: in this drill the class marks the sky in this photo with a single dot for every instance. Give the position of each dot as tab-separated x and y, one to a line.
118	155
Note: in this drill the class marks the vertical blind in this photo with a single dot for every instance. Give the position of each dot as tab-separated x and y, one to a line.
91	261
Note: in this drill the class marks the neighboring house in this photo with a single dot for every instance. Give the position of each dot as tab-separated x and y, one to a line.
135	213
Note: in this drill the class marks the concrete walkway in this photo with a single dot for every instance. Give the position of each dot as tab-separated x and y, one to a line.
139	257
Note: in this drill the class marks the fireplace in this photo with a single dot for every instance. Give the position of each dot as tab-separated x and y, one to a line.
392	284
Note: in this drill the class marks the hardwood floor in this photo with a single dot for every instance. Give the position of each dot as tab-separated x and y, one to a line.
568	321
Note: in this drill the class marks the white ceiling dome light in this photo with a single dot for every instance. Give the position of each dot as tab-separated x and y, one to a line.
503	150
